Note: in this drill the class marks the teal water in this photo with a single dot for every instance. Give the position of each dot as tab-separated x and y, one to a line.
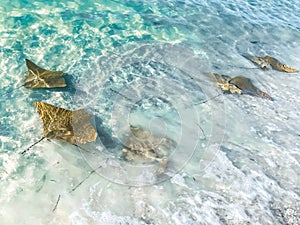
146	63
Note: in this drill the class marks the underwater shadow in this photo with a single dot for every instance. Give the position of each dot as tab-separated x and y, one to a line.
105	135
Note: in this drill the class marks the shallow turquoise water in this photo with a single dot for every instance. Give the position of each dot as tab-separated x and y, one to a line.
237	160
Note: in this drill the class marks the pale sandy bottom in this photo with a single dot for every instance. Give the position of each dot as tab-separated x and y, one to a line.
237	160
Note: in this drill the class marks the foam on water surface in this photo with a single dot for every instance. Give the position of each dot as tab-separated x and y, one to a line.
145	63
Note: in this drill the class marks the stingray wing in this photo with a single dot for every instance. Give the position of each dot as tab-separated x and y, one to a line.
45	83
276	65
255	60
243	83
219	78
32	67
56	121
35	70
222	81
40	78
246	85
52	82
84	131
259	62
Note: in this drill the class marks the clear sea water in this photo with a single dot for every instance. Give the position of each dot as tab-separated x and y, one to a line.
145	63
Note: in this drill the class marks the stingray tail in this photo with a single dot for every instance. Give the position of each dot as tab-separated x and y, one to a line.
35	143
118	93
78	146
209	99
14	89
247	56
90	173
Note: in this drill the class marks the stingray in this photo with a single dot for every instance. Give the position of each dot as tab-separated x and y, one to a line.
268	62
246	86
141	146
40	78
238	85
72	126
